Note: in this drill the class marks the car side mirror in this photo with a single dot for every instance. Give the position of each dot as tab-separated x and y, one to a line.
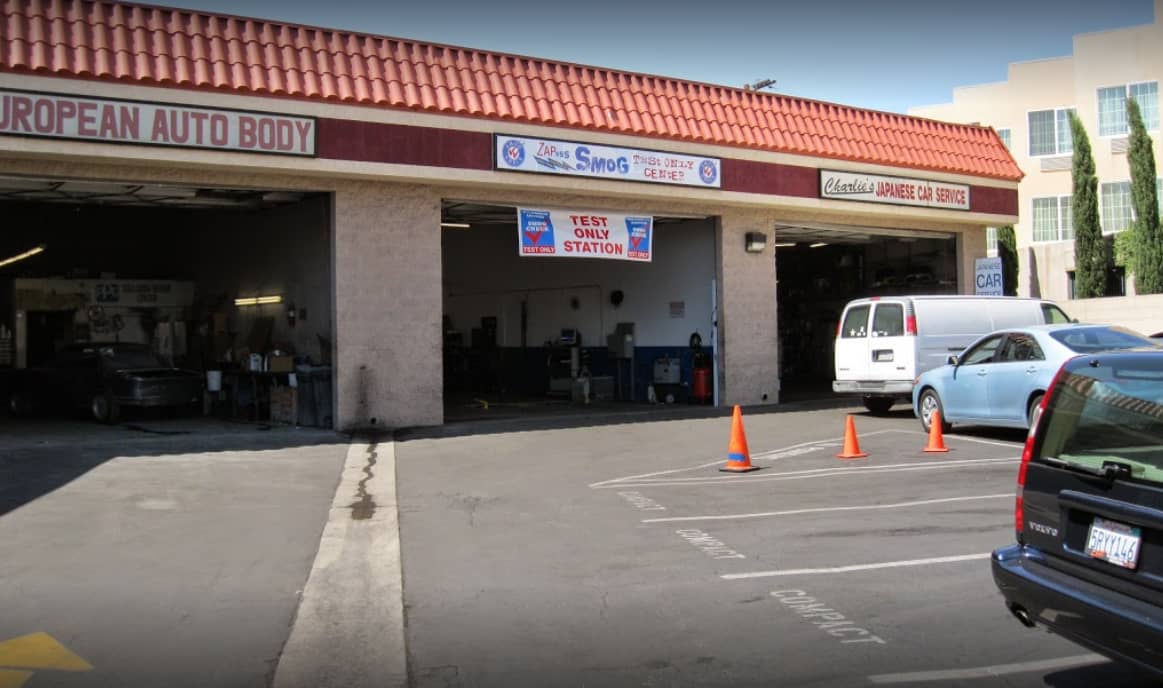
952	360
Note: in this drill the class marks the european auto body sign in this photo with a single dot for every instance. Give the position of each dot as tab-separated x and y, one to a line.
158	124
550	156
854	186
584	234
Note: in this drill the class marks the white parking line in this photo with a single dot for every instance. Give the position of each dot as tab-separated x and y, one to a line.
935	677
755	456
856	567
808	474
825	509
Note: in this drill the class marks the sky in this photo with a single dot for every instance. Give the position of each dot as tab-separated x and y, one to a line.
878	54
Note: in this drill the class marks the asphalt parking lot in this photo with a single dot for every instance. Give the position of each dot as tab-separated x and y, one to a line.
156	552
619	554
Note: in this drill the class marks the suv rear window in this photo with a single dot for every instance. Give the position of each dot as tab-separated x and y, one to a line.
1110	413
855	323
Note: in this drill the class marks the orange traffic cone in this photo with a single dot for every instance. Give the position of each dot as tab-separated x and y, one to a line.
936	438
738	456
851	444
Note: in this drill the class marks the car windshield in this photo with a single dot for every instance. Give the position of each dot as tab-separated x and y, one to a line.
1110	414
120	358
1084	340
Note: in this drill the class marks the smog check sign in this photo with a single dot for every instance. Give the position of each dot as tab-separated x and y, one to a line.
574	159
584	234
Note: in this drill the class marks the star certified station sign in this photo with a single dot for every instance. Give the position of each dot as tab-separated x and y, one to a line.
575	159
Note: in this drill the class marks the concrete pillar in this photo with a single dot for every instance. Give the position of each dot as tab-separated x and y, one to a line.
970	247
388	364
749	365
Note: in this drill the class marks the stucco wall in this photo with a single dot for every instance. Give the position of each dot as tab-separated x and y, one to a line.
1141	313
387	305
747	320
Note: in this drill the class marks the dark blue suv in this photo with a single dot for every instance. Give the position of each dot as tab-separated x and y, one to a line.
1088	563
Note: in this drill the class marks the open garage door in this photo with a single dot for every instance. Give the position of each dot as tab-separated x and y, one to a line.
820	268
116	297
606	322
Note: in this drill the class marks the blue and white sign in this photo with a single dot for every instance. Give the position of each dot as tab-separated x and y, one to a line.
584	234
571	158
987	277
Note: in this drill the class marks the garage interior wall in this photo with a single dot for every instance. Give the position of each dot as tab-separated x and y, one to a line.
667	299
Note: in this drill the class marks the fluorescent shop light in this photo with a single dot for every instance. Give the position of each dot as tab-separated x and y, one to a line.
818	244
21	256
455	225
784	244
258	300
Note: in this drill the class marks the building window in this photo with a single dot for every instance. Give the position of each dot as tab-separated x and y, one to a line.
1112	107
1005	136
1116	282
991	241
1052	219
1115	199
1050	132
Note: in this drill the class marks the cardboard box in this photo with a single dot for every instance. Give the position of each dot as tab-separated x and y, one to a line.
281	364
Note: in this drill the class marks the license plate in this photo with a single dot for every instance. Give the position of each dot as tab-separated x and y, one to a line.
1114	542
883	356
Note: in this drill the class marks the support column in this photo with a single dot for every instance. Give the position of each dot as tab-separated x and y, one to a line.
388	367
970	247
748	336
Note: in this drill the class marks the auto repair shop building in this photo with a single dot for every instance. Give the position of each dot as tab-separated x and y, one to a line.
439	222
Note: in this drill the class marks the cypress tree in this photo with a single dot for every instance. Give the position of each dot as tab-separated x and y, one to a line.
1090	259
1147	254
1007	250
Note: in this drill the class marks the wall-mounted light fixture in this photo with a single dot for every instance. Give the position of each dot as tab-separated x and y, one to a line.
258	300
755	242
21	256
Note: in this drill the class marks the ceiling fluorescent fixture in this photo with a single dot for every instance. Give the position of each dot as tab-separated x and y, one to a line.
21	256
784	244
257	300
818	244
455	225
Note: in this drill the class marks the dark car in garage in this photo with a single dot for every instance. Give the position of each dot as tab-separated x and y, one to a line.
103	378
1088	563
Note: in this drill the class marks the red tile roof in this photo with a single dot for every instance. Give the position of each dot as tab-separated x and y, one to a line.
147	45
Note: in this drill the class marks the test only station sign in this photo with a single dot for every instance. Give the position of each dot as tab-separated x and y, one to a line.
987	278
550	156
584	234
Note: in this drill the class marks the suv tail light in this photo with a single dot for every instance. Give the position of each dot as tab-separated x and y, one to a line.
1028	453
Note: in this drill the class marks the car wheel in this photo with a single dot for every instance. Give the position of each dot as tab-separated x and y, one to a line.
878	406
1034	404
928	403
104	408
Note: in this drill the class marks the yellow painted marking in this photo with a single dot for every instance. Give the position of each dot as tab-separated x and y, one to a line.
13	679
39	651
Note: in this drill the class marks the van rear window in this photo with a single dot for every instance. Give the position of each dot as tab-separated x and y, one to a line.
855	322
1115	416
889	320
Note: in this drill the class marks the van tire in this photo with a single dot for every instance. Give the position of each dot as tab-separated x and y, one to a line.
878	406
929	397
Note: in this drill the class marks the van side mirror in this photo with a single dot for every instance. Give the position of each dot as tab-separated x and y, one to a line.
952	360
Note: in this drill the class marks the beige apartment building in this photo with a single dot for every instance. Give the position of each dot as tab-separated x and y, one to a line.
1029	111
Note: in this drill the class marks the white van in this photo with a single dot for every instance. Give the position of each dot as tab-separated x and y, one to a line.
884	343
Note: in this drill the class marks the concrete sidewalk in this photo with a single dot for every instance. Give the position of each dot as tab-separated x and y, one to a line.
349	630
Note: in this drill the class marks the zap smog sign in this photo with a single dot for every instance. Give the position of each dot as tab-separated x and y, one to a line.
585	234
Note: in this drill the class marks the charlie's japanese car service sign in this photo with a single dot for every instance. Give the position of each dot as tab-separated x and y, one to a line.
547	156
853	186
127	121
584	234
